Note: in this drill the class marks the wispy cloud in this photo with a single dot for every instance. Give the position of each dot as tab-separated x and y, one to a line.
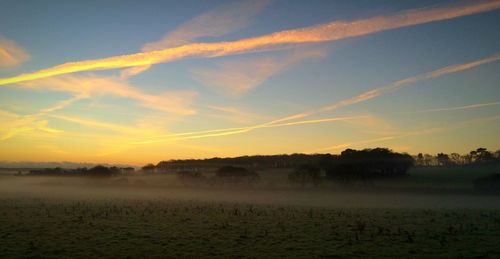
368	95
177	102
12	124
11	54
234	114
355	143
82	87
457	108
62	104
217	22
132	71
394	86
237	130
96	124
325	32
236	77
408	134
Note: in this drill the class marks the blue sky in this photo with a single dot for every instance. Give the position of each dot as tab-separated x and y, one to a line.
245	89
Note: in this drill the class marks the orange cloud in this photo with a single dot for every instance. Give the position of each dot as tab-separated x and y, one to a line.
216	22
236	77
234	114
132	71
12	124
96	124
176	102
11	54
232	131
326	32
368	95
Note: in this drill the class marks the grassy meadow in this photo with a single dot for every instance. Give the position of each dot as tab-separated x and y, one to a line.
165	229
430	213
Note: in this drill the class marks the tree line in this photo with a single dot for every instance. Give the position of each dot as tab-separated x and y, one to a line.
254	162
354	165
97	171
475	157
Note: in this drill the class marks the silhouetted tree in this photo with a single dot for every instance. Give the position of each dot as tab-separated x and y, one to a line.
115	170
420	159
482	155
443	159
306	174
149	168
369	163
101	171
189	175
326	161
235	174
429	160
497	154
57	171
456	159
127	170
250	162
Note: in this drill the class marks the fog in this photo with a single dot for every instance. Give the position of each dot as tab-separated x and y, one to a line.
168	188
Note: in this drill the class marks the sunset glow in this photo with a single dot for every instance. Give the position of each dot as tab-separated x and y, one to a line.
142	83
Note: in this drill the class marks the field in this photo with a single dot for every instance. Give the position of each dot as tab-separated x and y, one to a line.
154	228
428	214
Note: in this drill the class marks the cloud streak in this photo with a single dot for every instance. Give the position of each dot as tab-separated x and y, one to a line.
408	134
457	108
11	54
214	23
332	31
368	95
12	124
236	77
234	114
176	102
217	22
233	131
371	94
394	86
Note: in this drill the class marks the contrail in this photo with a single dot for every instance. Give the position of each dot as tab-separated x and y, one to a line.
368	95
232	131
394	86
25	123
465	107
332	31
410	80
411	133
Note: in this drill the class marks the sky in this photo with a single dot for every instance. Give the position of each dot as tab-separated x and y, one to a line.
134	82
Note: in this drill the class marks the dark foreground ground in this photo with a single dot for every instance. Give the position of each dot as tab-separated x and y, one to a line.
114	228
431	213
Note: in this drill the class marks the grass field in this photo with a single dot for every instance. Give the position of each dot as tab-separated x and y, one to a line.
430	213
158	229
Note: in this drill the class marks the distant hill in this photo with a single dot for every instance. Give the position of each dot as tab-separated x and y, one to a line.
64	164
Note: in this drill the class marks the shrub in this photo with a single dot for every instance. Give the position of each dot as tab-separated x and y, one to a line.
369	163
236	174
306	174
